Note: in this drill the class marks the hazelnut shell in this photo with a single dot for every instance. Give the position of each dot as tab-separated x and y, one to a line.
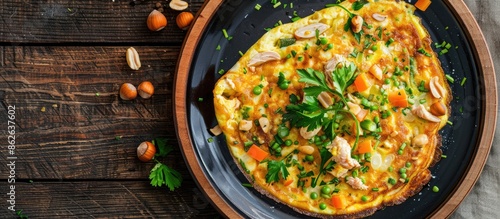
184	19
128	91
146	89
156	21
146	151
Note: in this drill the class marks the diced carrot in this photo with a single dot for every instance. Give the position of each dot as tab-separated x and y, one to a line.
257	153
423	4
288	182
365	147
398	98
362	82
337	201
361	114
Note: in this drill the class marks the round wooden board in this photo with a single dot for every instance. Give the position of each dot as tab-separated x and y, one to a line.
488	108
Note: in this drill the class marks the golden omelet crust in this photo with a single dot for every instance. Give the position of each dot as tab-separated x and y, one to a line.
382	87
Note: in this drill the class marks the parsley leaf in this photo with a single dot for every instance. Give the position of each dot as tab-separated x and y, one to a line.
343	77
274	168
325	155
313	77
359	4
161	174
307	114
163	148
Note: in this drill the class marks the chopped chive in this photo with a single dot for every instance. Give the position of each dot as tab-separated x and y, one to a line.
300	58
449	78
224	31
284	5
291	5
391	40
230	38
375	189
257	7
446	28
248	185
241	53
210	140
295	19
463	81
221	72
200	99
277	4
217	48
449	122
443	156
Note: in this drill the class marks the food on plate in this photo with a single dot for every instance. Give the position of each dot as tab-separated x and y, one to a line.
337	114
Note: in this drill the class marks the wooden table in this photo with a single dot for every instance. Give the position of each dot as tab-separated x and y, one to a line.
62	63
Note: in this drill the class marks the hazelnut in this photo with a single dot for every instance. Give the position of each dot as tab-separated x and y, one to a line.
438	109
184	19
156	21
146	89
128	91
146	151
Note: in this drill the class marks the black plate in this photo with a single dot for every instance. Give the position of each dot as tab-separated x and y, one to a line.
246	25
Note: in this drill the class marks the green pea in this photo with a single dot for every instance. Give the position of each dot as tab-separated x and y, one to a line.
402	170
387	81
408	164
435	189
284	85
364	198
288	142
322	206
392	181
323	40
403	175
309	158
283	131
257	90
374	47
313	195
326	190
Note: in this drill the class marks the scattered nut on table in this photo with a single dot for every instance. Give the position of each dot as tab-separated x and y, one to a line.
128	91
178	5
184	19
146	89
156	21
146	151
133	60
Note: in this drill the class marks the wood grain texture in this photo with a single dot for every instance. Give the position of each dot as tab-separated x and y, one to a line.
107	199
69	113
62	21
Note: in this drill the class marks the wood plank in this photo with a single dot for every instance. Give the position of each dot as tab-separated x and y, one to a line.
94	199
61	21
64	130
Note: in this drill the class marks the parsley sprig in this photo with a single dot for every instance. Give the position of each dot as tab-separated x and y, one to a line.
162	174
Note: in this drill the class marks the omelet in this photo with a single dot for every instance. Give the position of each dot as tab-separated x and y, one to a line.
337	114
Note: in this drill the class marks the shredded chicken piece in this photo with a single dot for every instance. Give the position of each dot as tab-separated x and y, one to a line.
356	183
341	151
